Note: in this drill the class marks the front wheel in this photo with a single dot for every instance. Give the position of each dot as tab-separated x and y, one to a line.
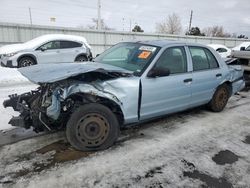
26	61
92	127
220	98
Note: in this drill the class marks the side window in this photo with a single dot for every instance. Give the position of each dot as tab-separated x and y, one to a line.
50	45
211	59
202	59
174	59
221	50
70	44
248	48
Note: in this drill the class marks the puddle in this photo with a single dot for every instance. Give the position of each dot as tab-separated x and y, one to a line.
208	180
64	152
152	172
225	157
247	140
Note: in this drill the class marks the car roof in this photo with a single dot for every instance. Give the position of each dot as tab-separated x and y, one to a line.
61	37
49	37
160	43
163	43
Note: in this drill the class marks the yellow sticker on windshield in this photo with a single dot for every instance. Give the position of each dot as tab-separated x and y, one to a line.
144	54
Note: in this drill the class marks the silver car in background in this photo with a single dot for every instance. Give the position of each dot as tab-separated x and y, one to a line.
46	49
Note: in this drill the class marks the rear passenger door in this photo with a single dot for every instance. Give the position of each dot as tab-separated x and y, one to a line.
69	51
207	75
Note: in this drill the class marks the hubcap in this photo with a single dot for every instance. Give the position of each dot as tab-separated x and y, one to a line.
92	130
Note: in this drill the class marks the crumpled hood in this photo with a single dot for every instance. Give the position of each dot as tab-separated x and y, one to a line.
11	48
49	73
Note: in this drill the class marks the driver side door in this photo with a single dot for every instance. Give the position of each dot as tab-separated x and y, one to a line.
167	94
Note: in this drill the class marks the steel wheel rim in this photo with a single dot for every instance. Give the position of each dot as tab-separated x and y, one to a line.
92	130
221	98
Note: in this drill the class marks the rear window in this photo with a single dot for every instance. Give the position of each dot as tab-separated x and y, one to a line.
202	59
70	44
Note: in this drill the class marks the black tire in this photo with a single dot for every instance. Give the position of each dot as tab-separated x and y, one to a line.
81	58
92	127
26	61
220	98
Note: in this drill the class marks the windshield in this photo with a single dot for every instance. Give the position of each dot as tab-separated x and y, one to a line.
130	56
36	41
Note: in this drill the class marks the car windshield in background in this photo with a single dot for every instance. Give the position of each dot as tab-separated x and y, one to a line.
130	56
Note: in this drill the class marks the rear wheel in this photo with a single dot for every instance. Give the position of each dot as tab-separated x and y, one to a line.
220	98
81	58
92	127
26	61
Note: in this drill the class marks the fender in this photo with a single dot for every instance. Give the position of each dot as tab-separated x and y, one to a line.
27	55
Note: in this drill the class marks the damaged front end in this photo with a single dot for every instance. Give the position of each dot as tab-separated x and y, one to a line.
50	106
33	107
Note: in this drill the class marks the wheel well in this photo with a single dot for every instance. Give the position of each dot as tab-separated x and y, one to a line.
82	98
27	55
84	55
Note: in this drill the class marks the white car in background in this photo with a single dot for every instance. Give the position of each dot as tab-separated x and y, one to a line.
51	48
241	46
221	49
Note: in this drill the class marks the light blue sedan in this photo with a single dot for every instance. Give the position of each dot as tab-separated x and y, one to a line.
131	82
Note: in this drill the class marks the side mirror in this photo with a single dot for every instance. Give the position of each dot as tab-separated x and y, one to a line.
158	72
97	55
43	48
242	48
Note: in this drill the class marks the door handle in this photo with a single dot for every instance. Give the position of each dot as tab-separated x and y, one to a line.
218	75
188	80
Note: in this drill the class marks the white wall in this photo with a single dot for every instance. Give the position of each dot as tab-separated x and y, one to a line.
99	40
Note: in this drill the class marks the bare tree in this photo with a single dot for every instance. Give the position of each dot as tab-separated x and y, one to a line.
95	24
171	25
216	31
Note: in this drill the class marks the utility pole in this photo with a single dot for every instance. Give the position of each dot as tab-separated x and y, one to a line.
190	21
31	28
130	25
30	16
123	20
99	15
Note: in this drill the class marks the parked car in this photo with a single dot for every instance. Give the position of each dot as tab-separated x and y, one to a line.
47	49
224	51
243	44
243	55
129	83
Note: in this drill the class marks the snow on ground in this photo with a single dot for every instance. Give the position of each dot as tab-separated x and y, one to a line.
7	113
176	151
11	81
11	76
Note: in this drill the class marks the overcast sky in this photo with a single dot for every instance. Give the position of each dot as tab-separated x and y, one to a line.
232	14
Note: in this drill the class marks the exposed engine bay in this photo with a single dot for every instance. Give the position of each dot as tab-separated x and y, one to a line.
50	105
